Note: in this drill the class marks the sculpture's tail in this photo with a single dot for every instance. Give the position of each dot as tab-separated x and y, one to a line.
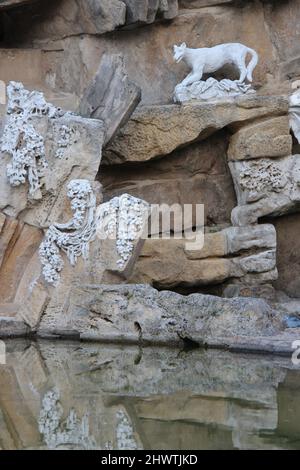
252	64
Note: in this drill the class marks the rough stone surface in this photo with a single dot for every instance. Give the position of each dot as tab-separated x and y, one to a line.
12	328
140	313
147	11
158	130
269	138
18	244
74	17
111	97
62	18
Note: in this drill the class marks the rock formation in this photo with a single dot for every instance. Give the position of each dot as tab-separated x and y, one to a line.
91	135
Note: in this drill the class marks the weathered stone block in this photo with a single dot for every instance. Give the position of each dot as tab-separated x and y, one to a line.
168	263
234	240
111	97
269	138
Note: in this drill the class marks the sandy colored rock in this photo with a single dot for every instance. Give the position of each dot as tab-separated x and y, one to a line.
164	263
169	263
269	138
288	254
282	20
234	240
215	245
158	130
19	243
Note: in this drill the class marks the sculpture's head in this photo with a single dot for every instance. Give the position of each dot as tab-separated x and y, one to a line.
179	52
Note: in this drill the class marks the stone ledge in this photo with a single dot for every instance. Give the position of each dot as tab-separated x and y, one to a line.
155	131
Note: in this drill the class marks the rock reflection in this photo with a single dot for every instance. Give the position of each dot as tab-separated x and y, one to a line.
89	396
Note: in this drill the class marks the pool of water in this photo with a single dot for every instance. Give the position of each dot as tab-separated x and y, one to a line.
57	395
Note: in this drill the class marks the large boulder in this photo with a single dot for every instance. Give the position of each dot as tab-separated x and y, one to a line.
267	138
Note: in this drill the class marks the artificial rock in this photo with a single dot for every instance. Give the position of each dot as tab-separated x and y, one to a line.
111	97
264	138
154	131
171	263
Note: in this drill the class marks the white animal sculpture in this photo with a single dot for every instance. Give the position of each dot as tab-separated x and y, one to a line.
211	59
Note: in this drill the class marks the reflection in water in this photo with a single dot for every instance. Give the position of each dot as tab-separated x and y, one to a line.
56	395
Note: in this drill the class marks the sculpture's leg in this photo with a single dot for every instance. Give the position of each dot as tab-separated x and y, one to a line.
192	78
243	71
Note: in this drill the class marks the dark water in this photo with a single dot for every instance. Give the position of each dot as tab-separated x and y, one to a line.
86	396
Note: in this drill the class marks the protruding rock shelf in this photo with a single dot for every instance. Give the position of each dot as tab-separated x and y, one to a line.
155	131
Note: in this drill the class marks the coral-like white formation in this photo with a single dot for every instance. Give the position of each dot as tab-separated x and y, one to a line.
21	139
70	433
125	433
66	138
263	175
123	219
72	238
